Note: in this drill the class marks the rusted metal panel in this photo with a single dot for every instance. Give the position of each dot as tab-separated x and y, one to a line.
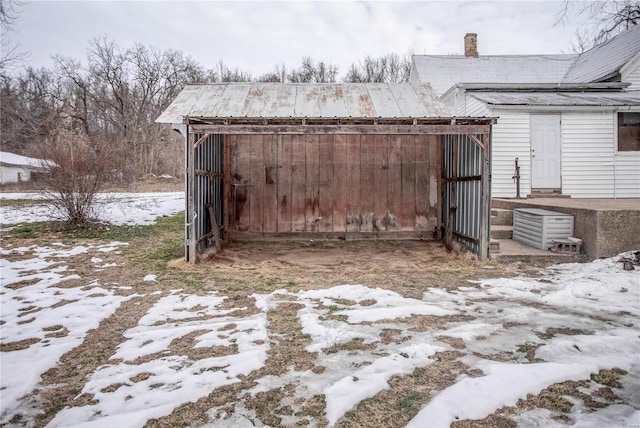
227	105
319	101
385	104
182	105
286	100
428	98
208	100
357	101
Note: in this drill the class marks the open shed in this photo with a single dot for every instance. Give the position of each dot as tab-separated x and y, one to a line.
342	161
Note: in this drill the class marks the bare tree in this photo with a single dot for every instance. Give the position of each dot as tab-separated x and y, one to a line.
389	68
29	108
312	72
278	75
605	19
227	74
9	54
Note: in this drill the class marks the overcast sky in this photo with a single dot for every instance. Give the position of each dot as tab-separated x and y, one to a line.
256	35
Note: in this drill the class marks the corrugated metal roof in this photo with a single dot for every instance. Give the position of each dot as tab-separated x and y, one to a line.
289	100
605	60
444	71
612	99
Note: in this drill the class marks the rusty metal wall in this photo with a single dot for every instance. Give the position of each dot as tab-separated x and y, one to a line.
208	189
465	175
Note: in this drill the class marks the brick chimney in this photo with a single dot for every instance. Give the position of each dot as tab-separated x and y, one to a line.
471	45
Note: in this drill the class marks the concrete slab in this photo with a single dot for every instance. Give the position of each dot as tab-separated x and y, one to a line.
514	251
607	227
590	204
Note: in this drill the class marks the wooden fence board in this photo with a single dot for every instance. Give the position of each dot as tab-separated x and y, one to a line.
271	167
256	190
394	186
312	208
422	183
380	180
298	180
340	184
408	179
284	183
367	185
243	182
353	183
326	184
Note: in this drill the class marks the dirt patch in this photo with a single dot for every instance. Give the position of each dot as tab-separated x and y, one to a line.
609	378
408	268
454	342
397	405
18	345
23	283
63	383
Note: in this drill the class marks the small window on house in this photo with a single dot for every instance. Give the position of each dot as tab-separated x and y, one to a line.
628	132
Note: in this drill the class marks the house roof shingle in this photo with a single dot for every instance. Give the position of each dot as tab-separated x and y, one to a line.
444	71
605	61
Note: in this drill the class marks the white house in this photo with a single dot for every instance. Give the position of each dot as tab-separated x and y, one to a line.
15	168
572	121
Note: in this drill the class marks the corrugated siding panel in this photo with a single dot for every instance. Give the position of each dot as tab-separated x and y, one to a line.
628	175
588	155
510	140
476	108
632	77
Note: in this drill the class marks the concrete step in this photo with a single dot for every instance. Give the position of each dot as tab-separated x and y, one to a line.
501	217
494	246
535	195
501	232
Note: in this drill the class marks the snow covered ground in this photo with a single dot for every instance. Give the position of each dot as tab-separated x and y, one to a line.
114	208
577	319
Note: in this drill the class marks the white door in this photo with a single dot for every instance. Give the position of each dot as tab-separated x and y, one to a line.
545	151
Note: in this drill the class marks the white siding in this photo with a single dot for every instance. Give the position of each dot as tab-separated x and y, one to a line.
627	175
9	174
510	139
476	108
588	154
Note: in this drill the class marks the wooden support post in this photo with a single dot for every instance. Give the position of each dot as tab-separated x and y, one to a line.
214	228
485	213
191	205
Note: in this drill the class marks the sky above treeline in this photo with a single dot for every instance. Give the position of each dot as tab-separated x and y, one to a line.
254	36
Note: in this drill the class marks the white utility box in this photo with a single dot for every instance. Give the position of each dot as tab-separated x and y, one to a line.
537	227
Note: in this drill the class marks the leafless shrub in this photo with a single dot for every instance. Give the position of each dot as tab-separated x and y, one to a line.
77	169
